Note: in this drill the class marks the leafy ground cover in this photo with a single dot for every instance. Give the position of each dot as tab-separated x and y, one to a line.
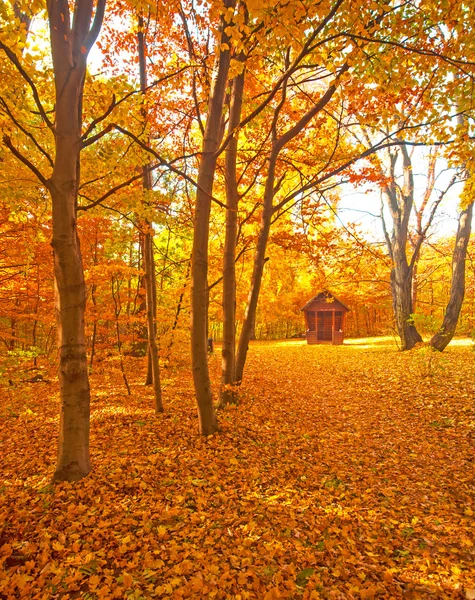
346	472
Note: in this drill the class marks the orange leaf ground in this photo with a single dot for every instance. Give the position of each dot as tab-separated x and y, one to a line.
347	472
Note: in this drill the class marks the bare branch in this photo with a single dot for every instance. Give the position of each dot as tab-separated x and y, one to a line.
191	53
115	103
114	190
165	163
98	136
13	58
96	25
26	132
8	143
104	115
452	61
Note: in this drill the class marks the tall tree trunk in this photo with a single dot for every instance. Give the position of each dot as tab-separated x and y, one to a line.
177	314
151	326
400	201
94	303
148	256
36	309
199	262
228	384
258	270
70	47
401	286
415	285
115	291
457	290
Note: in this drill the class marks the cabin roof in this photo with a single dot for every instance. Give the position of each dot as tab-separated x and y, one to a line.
327	293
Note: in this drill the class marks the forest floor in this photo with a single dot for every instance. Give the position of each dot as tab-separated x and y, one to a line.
346	472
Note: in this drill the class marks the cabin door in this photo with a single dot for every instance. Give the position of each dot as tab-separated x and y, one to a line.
324	325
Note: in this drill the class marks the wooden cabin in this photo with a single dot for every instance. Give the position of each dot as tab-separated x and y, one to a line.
325	317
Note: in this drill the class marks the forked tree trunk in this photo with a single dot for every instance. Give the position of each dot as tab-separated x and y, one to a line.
70	48
228	383
400	202
457	290
401	286
199	263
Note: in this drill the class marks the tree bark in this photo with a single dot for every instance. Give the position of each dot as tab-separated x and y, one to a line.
457	289
401	286
148	256
70	47
199	263
278	143
228	383
151	327
400	202
258	269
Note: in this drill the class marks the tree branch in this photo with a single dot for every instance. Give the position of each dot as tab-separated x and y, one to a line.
98	136
8	143
96	25
26	132
13	58
165	163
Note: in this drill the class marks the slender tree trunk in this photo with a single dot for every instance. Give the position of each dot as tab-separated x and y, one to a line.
94	303
415	286
129	281
228	384
11	343
199	269
153	368
151	327
70	44
117	310
35	322
177	315
457	290
258	270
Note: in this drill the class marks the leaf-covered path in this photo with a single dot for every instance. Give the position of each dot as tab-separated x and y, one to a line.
346	472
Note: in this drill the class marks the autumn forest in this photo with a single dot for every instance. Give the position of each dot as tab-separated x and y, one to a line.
237	299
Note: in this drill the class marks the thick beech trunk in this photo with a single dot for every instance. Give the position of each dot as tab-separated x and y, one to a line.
70	290
199	263
457	290
70	47
228	383
401	286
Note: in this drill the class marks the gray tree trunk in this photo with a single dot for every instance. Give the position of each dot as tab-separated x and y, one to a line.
400	202
457	289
